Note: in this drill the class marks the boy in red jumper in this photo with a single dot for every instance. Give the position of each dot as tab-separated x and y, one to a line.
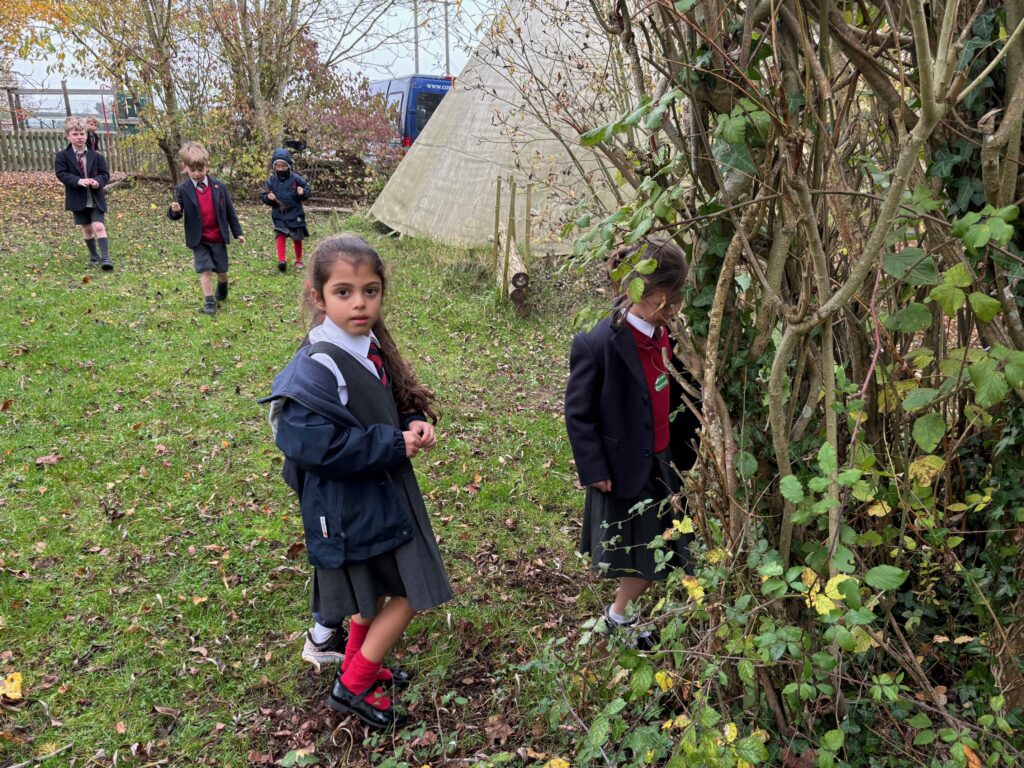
210	221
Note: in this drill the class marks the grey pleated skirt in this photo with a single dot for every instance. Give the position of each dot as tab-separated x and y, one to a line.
413	571
616	532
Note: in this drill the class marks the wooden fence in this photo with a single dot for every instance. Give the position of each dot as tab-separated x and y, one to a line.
33	150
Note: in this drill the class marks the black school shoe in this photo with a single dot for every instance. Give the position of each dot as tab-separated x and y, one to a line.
341	699
400	678
209	305
631	633
222	290
282	266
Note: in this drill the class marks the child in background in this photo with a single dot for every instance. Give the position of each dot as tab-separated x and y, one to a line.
84	174
352	415
618	406
92	137
284	191
210	221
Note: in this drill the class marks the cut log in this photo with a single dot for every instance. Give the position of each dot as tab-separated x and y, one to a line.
511	274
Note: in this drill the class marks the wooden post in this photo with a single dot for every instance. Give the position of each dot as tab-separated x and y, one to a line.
497	228
527	225
67	101
510	234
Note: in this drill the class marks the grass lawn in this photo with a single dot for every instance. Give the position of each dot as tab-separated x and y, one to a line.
153	582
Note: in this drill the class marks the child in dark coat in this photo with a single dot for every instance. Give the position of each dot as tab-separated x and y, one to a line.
84	174
619	406
210	222
351	416
284	191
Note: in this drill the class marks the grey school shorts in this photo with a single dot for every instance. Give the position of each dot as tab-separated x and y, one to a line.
211	257
89	215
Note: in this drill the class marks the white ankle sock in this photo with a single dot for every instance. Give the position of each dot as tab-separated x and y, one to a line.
320	634
618	618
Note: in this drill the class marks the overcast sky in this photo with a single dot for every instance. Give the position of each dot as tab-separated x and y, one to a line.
466	20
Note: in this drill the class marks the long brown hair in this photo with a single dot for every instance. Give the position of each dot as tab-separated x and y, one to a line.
669	275
410	395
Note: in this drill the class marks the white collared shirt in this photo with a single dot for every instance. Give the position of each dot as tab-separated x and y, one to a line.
640	324
205	180
357	346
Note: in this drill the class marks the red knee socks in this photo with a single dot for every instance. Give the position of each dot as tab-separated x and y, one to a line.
356	636
280	248
359	675
297	245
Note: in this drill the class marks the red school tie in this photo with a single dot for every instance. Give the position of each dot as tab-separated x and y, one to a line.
81	164
201	187
378	362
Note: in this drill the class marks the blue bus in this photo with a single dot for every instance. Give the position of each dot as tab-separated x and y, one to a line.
415	97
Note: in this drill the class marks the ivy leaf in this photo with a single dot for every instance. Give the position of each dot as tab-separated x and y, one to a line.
928	431
919	398
985	307
791	489
950	297
912	318
885	577
989	384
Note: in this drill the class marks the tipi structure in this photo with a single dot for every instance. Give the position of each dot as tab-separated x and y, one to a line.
540	78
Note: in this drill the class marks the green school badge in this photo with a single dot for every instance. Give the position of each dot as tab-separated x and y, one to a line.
661	382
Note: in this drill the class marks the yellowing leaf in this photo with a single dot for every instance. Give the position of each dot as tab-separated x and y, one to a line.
664	680
10	687
196	599
973	761
863	640
717	555
924	469
694	589
879	509
557	762
820	602
730	732
832	588
808	577
683	526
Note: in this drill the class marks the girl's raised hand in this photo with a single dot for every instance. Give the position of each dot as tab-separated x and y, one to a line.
425	430
412	443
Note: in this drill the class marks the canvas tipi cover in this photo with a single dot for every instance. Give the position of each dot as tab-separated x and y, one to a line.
540	78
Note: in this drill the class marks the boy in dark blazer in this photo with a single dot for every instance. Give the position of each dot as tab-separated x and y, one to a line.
84	174
210	221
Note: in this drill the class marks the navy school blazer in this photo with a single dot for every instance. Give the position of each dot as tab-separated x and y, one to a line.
227	219
608	412
341	468
65	165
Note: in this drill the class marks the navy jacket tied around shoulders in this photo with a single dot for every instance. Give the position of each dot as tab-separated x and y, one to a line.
341	468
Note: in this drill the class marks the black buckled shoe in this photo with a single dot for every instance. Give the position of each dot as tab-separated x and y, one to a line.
400	678
341	699
106	264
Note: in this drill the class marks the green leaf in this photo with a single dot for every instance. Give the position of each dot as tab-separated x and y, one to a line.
985	307
850	591
599	731
1001	231
791	489
635	290
592	137
958	275
1015	369
928	431
920	720
885	577
734	129
912	318
685	5
989	384
751	749
708	717
978	236
919	398
746	465
849	476
950	297
745	669
1009	213
654	119
912	266
833	740
827	458
961	225
924	738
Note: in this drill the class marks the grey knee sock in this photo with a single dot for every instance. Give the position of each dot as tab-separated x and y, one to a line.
91	245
